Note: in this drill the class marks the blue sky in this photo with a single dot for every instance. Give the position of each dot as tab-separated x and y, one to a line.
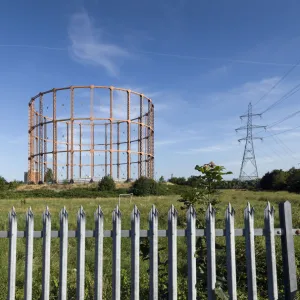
201	62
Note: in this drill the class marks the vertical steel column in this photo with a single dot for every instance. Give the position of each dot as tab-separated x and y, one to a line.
72	134
54	146
145	143
139	146
152	144
67	151
36	147
128	137
118	150
105	149
149	140
140	164
80	147
41	112
31	142
45	147
111	132
92	132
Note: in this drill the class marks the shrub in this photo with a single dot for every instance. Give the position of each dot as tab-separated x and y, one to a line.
145	186
106	184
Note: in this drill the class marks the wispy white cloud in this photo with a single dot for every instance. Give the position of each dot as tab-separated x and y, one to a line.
88	46
212	149
171	141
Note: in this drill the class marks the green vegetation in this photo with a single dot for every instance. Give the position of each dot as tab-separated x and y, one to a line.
279	180
145	186
107	184
163	203
208	187
48	177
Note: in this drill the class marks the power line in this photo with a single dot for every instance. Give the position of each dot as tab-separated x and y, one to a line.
290	93
281	120
286	147
277	83
267	136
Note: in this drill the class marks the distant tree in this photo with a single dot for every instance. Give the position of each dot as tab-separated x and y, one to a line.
145	186
178	180
3	183
293	180
275	180
106	184
161	179
48	177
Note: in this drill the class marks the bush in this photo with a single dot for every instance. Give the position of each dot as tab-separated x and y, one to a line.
106	184
145	186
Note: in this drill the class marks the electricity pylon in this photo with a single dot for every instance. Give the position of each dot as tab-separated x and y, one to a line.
249	155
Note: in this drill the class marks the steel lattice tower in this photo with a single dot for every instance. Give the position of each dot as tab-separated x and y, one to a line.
249	155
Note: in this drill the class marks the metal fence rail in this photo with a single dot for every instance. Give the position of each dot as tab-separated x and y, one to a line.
286	232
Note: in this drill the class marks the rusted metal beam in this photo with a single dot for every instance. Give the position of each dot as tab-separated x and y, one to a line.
54	142
128	137
111	132
72	134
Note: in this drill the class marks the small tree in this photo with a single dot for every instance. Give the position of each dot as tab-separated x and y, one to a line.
3	183
205	187
106	184
205	191
48	177
145	186
161	179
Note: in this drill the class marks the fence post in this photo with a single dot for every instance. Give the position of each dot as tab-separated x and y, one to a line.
80	254
250	252
153	236
288	250
230	252
211	252
135	254
270	251
63	265
46	254
191	240
116	282
99	220
29	255
12	257
172	253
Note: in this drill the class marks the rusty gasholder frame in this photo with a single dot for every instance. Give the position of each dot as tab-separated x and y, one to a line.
56	138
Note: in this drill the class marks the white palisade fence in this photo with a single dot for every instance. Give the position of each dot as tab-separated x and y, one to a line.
286	232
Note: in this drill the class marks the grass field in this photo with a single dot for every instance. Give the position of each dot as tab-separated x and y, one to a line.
238	200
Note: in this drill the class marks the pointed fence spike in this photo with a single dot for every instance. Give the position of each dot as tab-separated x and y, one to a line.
63	266
12	224
46	254
153	255
135	253
81	222
99	234
29	254
230	252
116	282
250	252
270	251
211	252
288	250
172	252
191	241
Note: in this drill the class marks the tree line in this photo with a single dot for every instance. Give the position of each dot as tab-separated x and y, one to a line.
276	180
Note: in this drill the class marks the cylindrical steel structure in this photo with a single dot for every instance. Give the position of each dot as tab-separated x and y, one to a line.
86	132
